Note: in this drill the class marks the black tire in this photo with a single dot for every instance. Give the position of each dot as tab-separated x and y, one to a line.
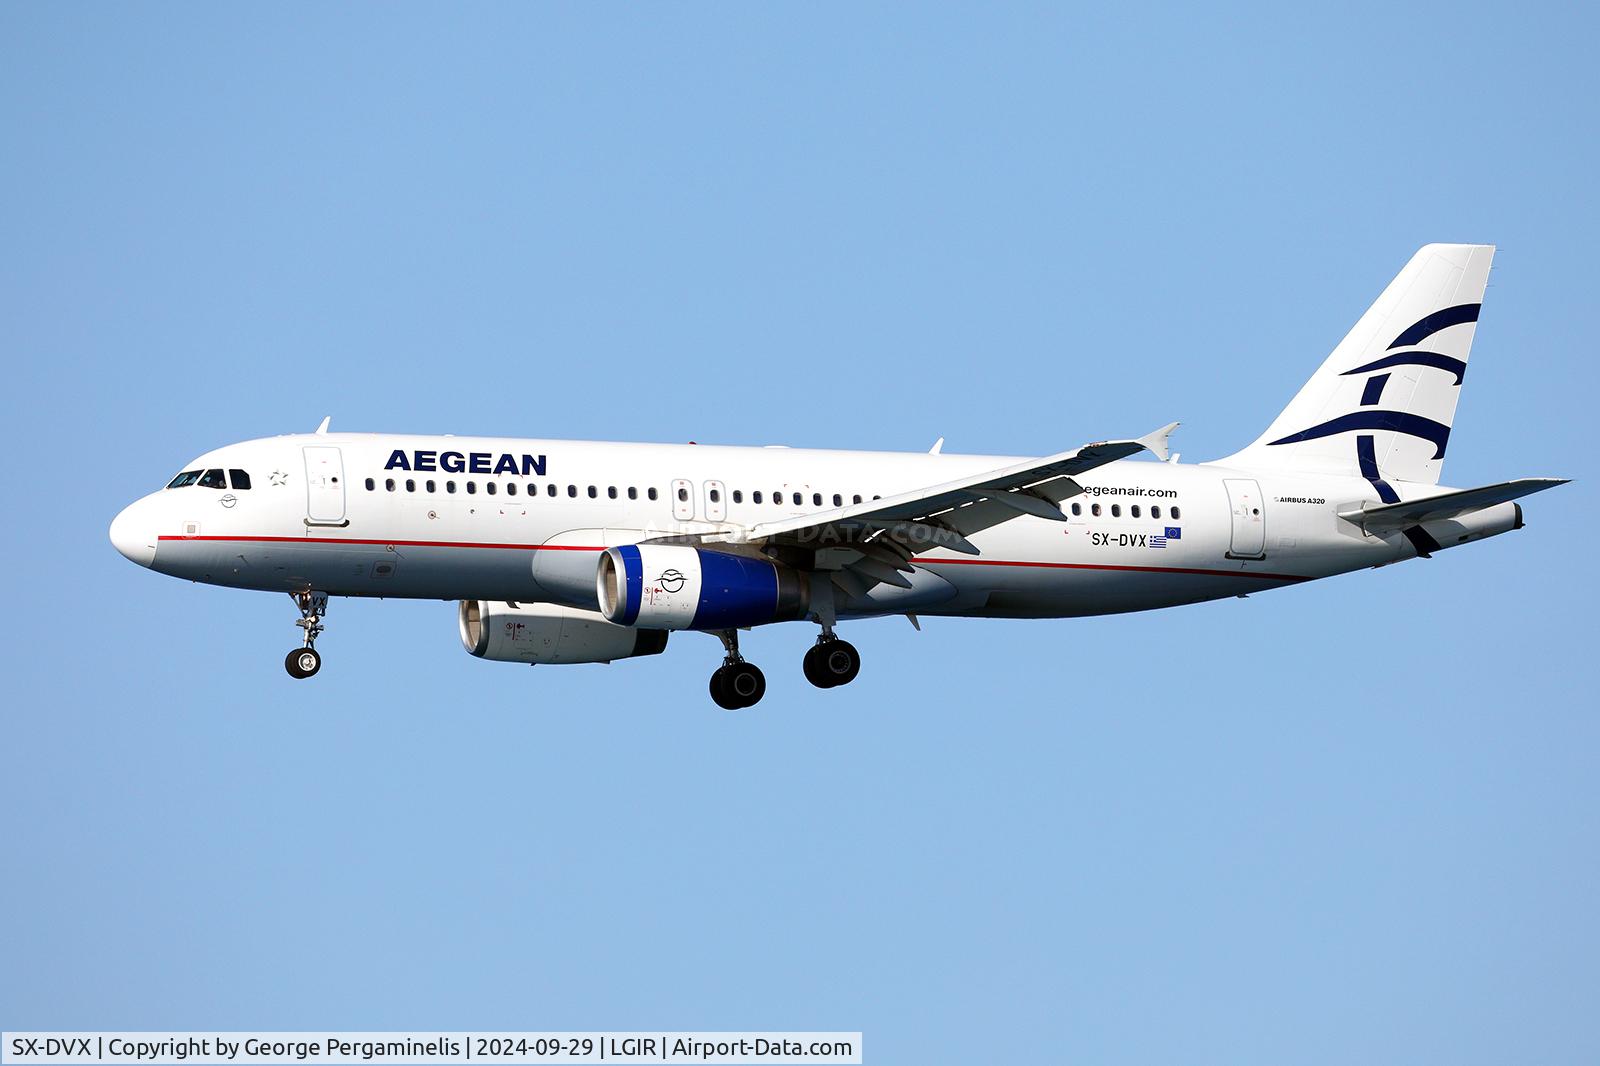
720	693
746	684
840	662
814	668
302	662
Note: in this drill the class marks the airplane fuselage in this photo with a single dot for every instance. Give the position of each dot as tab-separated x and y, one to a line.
505	519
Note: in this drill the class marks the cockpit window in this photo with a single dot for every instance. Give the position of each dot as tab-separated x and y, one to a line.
213	479
240	479
184	480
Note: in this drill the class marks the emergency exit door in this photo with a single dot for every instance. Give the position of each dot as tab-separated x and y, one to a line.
1249	519
324	487
683	500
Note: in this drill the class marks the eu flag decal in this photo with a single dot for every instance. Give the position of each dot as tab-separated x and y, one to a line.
1174	532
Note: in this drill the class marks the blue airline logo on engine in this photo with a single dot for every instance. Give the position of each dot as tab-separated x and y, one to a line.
467	462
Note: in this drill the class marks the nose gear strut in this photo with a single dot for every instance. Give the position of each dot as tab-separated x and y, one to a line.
304	661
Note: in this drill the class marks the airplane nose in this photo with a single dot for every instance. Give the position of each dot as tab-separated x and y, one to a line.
133	536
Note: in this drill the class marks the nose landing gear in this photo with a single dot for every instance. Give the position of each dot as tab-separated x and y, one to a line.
303	662
736	684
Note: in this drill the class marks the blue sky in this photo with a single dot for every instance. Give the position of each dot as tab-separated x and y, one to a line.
1354	821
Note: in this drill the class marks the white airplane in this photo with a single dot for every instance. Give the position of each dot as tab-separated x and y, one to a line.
585	552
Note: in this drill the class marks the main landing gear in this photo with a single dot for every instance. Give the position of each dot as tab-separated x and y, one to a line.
831	662
303	662
737	684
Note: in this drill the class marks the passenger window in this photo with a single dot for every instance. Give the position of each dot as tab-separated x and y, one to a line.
633	493
1155	511
239	479
816	499
511	489
1094	509
738	495
856	498
184	480
716	496
371	484
592	493
213	479
1077	509
411	486
550	490
777	498
1116	510
683	495
450	486
838	500
572	491
431	486
1134	510
1175	514
611	492
797	499
489	487
389	484
651	492
756	497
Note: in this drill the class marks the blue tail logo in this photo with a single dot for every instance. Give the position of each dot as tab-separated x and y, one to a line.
1375	418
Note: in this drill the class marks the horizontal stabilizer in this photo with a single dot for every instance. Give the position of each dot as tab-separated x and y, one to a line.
1394	516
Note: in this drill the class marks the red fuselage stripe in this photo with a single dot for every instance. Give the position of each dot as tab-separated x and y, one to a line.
1109	566
1259	575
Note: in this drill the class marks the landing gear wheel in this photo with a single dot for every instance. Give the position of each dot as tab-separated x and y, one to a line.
738	685
719	689
746	683
832	663
302	662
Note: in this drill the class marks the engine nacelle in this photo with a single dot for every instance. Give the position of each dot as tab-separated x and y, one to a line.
550	633
669	586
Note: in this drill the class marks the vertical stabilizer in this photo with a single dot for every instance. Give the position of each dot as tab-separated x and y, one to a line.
1382	404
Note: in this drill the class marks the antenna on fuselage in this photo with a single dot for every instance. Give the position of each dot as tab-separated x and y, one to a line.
322	430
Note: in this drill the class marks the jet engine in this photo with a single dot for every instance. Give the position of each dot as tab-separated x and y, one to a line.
550	633
668	586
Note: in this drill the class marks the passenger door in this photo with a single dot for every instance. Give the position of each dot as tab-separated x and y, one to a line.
1249	538
324	487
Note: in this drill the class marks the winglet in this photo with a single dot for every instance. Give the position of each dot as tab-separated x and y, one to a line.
323	429
1157	441
938	446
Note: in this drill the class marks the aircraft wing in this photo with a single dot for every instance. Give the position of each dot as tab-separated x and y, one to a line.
876	540
1393	516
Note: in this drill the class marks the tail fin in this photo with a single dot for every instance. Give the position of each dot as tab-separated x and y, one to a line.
1382	404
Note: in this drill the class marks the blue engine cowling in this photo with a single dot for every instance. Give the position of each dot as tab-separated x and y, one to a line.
669	586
